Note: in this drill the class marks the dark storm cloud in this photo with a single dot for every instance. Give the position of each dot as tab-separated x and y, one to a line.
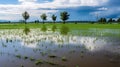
81	13
113	3
114	8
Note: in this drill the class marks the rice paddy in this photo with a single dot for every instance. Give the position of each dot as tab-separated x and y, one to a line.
48	47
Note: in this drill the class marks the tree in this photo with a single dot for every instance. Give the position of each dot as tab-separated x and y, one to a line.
102	20
118	20
43	17
114	20
110	20
25	16
54	18
36	21
64	16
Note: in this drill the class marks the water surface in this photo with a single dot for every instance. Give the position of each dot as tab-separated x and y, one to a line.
55	50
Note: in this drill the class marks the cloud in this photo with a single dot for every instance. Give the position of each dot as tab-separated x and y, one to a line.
103	8
110	12
33	4
37	7
72	3
113	3
27	0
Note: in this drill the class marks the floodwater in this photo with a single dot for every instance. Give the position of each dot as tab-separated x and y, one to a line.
55	50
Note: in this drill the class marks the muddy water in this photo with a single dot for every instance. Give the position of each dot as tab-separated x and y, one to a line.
55	50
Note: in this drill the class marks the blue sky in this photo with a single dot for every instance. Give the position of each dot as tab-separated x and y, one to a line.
78	9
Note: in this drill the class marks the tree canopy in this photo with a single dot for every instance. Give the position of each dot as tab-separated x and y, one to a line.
54	18
25	16
102	20
43	17
118	20
64	16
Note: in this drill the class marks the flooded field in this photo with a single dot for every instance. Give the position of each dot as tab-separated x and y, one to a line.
51	49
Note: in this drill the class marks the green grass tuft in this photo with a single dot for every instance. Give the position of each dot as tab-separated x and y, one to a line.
37	62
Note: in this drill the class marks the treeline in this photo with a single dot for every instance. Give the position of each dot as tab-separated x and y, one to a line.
110	20
63	16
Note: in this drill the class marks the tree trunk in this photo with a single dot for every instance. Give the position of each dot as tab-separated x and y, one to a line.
25	22
43	21
63	22
54	22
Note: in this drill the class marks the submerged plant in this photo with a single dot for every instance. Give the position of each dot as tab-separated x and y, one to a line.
52	56
77	66
81	55
16	50
72	51
43	53
32	59
26	30
64	59
44	28
3	45
51	63
7	40
37	62
64	30
22	66
25	57
18	56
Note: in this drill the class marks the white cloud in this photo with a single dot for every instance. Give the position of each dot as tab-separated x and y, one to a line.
27	0
103	8
35	8
72	3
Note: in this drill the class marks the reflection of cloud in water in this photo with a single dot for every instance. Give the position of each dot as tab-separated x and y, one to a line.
37	37
89	42
30	45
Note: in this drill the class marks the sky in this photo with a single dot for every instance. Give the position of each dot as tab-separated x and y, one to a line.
79	10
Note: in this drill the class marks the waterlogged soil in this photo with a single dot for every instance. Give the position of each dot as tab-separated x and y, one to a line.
48	49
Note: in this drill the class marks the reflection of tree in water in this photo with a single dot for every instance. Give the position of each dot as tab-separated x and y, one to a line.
26	30
41	45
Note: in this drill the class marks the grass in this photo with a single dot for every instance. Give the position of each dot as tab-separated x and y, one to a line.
81	55
52	56
83	29
77	66
37	62
25	57
64	59
51	63
78	26
18	56
43	53
32	59
3	45
22	66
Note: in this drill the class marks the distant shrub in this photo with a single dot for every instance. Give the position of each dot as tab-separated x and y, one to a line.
75	22
26	30
64	30
92	22
54	28
44	28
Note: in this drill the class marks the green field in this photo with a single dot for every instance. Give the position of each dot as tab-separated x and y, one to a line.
70	25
